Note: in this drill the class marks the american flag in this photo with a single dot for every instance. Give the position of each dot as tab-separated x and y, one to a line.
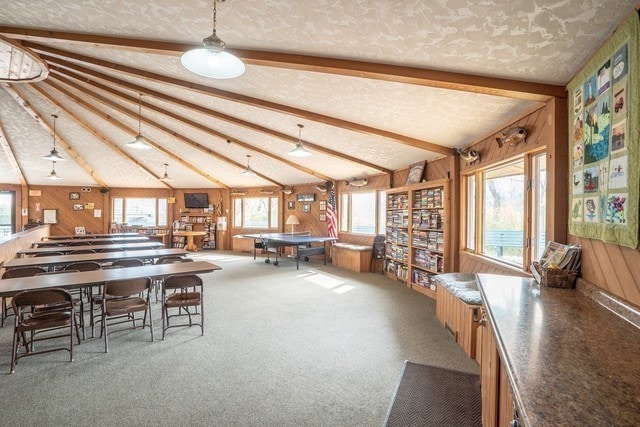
332	215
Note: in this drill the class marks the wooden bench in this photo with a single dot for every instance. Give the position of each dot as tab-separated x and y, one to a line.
352	257
458	305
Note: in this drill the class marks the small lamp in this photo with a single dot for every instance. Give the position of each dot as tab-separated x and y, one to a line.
293	221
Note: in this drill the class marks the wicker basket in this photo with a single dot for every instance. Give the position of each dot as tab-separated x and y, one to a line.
554	277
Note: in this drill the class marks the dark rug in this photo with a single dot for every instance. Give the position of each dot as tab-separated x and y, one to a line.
432	396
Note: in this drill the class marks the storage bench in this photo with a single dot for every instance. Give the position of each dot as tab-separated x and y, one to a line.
458	305
352	257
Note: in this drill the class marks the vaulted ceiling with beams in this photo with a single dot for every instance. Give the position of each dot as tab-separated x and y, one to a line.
377	84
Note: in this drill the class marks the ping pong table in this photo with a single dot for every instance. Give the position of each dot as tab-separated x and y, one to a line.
301	242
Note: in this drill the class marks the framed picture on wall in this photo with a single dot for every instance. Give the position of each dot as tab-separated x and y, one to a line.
291	205
78	207
415	172
323	217
322	205
74	196
50	216
311	197
306	207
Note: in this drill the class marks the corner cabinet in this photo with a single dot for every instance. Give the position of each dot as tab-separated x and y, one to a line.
418	234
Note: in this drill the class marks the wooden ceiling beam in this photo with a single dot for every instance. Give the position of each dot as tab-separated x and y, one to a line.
79	73
243	99
112	120
18	94
94	131
11	158
516	89
179	118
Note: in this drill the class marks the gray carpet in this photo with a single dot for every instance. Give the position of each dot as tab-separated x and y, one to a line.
430	396
321	346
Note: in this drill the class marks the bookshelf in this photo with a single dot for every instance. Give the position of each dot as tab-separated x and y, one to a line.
418	234
196	222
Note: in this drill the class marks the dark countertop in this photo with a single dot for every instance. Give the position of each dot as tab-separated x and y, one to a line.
570	361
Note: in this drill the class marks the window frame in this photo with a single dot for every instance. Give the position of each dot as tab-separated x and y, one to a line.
345	210
530	212
271	216
157	200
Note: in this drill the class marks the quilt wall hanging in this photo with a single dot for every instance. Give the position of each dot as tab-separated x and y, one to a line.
604	98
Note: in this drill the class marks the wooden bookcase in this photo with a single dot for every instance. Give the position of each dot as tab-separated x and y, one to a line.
197	222
418	234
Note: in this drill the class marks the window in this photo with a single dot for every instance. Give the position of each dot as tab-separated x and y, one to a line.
505	208
141	212
255	212
7	213
362	212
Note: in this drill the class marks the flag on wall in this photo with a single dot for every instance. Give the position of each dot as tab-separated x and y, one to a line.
332	215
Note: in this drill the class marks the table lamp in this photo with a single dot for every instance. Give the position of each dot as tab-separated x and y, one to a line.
292	221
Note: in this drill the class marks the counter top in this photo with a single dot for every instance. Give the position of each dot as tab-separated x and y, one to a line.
570	361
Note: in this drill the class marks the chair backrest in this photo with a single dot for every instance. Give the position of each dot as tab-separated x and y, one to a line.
48	254
47	273
172	260
378	246
126	287
42	297
80	243
83	266
23	272
84	251
182	281
131	262
111	250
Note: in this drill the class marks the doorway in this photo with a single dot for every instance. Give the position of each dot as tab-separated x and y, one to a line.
7	213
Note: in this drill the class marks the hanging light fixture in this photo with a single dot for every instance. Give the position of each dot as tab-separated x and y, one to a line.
166	177
53	174
53	155
211	60
138	141
248	171
300	151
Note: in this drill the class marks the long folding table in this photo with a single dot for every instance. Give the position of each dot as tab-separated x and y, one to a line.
91	236
82	279
301	242
70	249
101	257
65	242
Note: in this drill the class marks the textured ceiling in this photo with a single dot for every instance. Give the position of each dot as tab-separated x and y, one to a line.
355	125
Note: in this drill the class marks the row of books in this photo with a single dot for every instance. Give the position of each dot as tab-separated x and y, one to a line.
196	219
398	253
432	240
428	260
427	219
399	269
398	201
429	198
397	236
423	278
398	218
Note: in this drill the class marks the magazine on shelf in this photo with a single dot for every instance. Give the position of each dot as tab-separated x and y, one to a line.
557	255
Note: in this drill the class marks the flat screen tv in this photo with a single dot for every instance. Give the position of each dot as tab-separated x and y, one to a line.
196	200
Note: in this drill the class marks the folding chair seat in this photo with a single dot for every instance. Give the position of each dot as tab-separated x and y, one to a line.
12	274
182	292
29	321
121	300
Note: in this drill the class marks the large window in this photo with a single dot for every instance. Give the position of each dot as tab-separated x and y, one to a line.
362	212
141	212
255	212
505	207
7	216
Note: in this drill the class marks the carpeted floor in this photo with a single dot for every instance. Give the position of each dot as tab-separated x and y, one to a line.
319	346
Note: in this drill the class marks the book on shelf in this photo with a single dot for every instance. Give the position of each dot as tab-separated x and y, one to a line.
558	255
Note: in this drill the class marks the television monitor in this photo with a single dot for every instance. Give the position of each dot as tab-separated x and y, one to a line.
196	200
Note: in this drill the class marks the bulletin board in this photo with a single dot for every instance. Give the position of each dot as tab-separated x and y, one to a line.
604	141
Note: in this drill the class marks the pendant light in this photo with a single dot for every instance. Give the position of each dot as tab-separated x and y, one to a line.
248	171
211	60
138	141
53	155
300	151
53	175
166	177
